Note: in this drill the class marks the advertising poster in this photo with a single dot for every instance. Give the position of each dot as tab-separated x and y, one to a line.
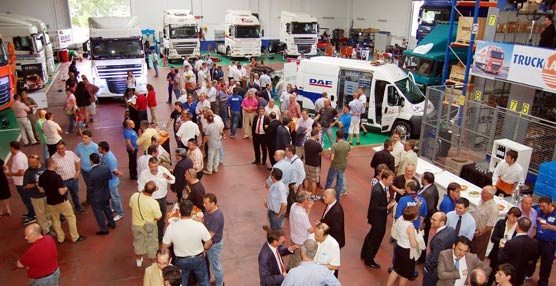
492	60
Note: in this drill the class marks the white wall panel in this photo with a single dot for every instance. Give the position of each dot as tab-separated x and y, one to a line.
392	15
54	13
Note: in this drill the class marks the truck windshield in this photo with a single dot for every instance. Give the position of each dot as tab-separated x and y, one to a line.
247	32
183	32
411	91
23	43
3	54
497	55
417	65
304	28
103	49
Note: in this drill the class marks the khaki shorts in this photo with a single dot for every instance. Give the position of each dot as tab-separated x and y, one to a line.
312	173
145	239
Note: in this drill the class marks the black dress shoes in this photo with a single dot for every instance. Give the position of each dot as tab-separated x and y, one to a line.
102	232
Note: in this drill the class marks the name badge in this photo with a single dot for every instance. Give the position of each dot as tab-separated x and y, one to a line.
551	219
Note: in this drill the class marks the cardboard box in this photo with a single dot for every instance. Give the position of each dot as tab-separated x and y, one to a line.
465	25
457	73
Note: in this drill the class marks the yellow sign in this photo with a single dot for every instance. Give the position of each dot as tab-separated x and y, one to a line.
525	108
478	95
513	105
462	100
492	20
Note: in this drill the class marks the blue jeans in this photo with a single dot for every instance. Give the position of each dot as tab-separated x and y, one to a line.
73	187
221	155
339	175
170	90
328	132
196	265
116	201
235	121
155	66
214	259
177	91
26	199
275	223
223	112
45	154
50	280
71	123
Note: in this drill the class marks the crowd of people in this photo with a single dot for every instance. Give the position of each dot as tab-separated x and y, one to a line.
443	234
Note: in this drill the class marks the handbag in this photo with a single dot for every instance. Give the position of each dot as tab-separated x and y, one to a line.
70	111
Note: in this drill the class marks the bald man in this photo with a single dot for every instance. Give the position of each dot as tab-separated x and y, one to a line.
41	259
443	239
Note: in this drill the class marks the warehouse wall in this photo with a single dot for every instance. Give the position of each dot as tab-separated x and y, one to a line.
392	15
54	13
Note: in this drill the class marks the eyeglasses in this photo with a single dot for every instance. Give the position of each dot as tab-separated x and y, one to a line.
34	157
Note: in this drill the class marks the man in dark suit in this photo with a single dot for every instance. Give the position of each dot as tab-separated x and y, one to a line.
443	239
384	157
430	193
266	92
283	134
521	251
449	272
183	164
260	140
271	136
272	269
548	34
100	192
376	217
333	216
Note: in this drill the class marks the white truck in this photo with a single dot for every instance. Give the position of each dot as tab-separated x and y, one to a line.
393	99
30	56
298	33
116	49
45	39
242	35
180	34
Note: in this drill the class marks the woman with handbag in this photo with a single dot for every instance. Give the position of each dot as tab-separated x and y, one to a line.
69	109
83	99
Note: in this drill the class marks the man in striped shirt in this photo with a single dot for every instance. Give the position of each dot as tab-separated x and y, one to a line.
69	168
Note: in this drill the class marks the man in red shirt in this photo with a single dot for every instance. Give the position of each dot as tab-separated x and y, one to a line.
41	259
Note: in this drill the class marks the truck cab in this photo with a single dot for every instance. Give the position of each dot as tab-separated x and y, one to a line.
393	100
490	59
298	33
180	36
116	48
7	83
242	35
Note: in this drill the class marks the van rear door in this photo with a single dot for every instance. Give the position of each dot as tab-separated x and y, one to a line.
349	83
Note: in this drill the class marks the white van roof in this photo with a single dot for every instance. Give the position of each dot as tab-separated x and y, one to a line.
389	71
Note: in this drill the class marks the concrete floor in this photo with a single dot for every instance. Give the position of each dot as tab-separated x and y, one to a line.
109	260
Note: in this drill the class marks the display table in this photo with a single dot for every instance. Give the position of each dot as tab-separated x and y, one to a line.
472	193
469	173
422	165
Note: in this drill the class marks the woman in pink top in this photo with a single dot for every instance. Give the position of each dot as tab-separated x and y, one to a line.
249	107
69	109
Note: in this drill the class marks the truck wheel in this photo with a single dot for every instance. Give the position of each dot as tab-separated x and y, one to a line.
403	127
228	52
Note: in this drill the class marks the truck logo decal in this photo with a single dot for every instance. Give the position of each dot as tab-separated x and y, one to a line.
320	82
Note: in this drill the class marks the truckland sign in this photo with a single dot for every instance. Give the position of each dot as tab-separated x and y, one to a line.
526	65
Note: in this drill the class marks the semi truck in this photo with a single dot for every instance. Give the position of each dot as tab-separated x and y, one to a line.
298	33
180	35
242	35
116	49
393	100
30	56
490	59
44	37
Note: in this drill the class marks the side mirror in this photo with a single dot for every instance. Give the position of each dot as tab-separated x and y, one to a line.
288	28
402	101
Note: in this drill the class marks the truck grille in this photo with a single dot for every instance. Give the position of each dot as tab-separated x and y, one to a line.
185	49
116	75
496	67
304	48
304	41
4	90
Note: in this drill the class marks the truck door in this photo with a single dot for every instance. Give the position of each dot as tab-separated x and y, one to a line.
391	106
348	84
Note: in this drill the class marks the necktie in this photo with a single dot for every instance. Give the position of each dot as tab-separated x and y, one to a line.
259	123
456	263
282	268
458	226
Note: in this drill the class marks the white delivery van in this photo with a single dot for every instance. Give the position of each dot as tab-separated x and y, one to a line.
298	33
30	56
44	37
394	101
242	32
179	34
116	49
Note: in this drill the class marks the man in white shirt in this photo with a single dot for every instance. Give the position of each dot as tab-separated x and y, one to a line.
285	98
52	131
143	160
188	130
306	123
363	98
161	177
17	165
300	226
398	150
271	107
211	95
409	157
328	252
507	175
189	79
203	75
264	79
297	174
190	239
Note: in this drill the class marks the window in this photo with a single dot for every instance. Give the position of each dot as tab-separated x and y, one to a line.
304	28
80	11
23	44
247	32
183	32
3	54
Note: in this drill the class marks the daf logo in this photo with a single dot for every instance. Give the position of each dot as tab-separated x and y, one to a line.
320	82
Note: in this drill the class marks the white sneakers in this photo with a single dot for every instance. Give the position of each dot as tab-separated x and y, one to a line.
139	262
118	217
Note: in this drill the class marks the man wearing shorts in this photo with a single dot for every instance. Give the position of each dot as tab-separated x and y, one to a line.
357	108
313	151
145	212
